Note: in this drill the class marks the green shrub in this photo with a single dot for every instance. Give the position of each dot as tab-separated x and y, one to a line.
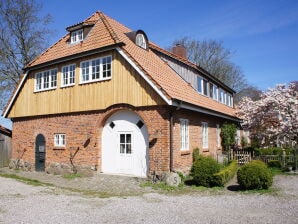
195	154
203	170
226	174
254	175
274	163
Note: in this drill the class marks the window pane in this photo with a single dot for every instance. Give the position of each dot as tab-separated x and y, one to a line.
205	87
106	67
122	138
128	138
211	90
95	69
128	148
199	80
122	148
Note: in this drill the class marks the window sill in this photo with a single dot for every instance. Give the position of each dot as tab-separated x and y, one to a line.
67	86
205	150
96	80
185	152
59	148
43	90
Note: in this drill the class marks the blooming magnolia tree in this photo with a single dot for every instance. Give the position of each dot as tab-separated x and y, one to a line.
274	117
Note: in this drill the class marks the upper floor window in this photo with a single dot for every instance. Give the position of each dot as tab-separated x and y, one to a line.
200	84
205	87
141	40
68	75
76	36
184	133
46	80
96	69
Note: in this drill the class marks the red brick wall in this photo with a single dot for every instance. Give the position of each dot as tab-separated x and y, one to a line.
183	159
83	128
79	128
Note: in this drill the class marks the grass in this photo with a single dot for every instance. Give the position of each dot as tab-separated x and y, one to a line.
71	176
25	180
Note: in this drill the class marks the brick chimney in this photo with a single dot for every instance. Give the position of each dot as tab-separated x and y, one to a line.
179	50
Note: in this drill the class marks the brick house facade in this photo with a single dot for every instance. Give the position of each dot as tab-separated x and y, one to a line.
141	113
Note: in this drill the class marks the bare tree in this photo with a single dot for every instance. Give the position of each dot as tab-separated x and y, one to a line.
213	57
22	37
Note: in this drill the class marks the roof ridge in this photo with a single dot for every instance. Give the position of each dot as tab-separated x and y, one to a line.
109	27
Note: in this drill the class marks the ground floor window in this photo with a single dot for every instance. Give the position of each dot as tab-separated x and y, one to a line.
125	143
184	133
59	140
205	135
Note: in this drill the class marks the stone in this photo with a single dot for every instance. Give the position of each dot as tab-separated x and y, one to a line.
172	179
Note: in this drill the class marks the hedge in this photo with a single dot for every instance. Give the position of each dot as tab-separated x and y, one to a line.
226	174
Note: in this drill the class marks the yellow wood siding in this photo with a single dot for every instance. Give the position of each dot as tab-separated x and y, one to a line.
125	86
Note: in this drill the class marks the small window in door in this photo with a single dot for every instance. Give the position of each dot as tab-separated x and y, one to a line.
125	144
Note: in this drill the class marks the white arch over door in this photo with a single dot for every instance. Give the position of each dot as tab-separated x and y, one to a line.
125	145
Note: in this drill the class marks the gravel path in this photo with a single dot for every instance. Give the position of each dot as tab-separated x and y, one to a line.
21	203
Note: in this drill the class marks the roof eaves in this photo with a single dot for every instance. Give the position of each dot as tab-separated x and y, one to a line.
185	105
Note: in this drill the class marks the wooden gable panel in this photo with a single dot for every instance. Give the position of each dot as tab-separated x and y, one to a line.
126	86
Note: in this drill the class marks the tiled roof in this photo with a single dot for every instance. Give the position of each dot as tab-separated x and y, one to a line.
107	32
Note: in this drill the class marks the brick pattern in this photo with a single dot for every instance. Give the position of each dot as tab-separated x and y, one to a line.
84	130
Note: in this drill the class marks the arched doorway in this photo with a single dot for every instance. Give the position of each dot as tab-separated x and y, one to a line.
125	145
40	153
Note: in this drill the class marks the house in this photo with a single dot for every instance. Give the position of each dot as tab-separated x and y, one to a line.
5	146
104	98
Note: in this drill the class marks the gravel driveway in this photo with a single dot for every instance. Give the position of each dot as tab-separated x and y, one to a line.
21	203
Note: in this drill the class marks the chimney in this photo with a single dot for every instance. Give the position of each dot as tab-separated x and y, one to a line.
179	50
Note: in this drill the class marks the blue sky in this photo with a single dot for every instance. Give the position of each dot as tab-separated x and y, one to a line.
262	34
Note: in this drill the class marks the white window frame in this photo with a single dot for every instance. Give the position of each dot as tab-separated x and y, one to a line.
200	84
218	139
96	67
59	140
205	135
76	36
141	41
68	75
184	134
205	87
45	80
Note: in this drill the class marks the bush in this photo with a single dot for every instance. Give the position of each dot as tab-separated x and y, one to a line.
254	175
203	170
274	163
195	154
226	174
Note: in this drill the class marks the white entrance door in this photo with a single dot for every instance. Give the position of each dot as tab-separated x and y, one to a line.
124	145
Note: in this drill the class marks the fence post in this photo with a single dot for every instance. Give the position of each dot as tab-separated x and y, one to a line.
284	158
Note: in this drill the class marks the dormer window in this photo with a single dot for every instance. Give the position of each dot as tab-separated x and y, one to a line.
139	38
76	36
141	41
